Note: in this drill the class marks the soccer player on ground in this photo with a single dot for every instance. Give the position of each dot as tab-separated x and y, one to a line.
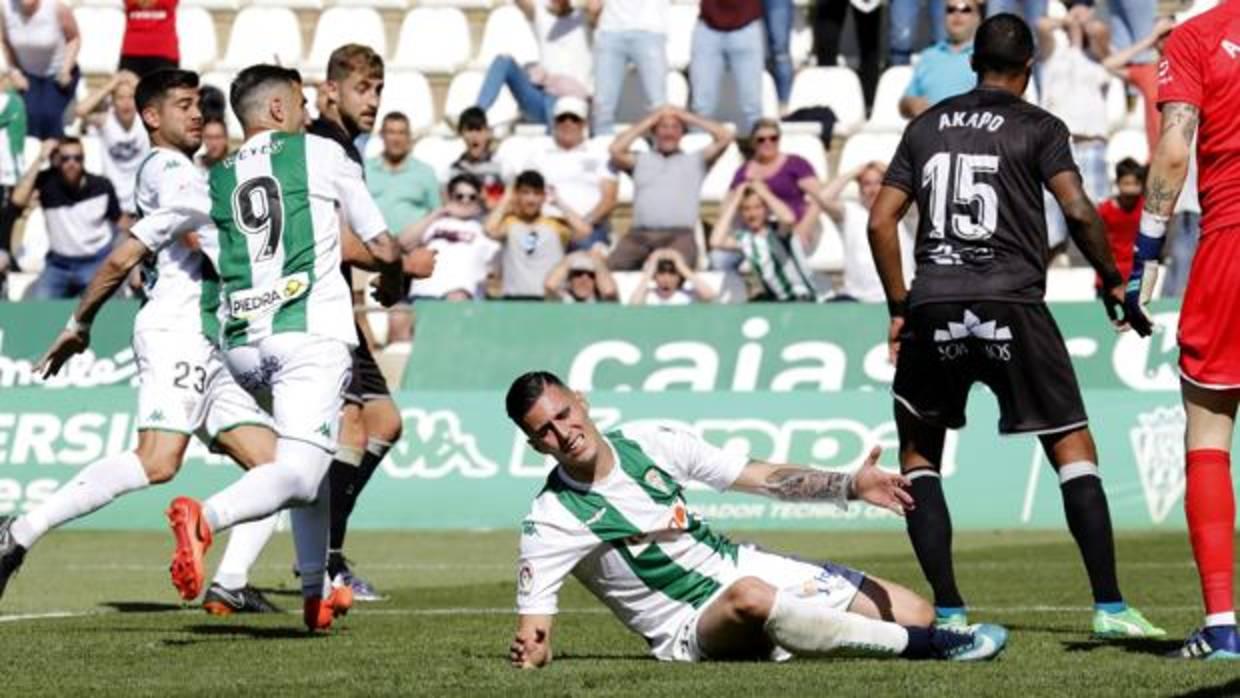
976	165
613	514
1199	90
183	386
284	319
370	423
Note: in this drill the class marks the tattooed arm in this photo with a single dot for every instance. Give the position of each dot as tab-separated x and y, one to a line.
794	483
1169	166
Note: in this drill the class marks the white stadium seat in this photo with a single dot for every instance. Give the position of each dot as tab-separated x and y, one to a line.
462	4
680	22
463	93
102	29
338	26
196	32
809	147
293	4
433	40
515	153
507	31
211	5
715	188
729	104
261	35
33	248
376	4
828	254
1128	143
868	147
439	153
408	92
835	87
891	87
677	89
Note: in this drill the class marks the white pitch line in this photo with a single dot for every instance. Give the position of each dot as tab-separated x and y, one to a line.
51	614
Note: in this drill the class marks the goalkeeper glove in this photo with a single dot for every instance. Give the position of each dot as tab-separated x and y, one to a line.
1144	274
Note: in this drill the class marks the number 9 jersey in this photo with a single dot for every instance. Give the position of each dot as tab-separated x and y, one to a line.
976	164
276	204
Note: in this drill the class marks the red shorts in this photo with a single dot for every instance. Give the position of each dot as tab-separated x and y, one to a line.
1209	332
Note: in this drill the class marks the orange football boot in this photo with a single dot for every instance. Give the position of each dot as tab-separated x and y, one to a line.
193	538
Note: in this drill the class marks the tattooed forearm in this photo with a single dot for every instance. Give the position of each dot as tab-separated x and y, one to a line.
1181	116
1170	161
805	485
1160	196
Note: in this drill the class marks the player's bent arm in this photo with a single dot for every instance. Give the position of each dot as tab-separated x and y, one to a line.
794	483
111	274
1085	226
888	210
1169	164
531	645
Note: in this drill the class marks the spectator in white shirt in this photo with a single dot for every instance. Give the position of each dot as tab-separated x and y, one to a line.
861	280
581	177
667	280
111	114
563	69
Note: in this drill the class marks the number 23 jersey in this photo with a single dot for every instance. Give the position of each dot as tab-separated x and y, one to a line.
976	165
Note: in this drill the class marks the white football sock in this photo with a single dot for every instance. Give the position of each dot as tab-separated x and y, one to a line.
92	488
806	626
293	479
311	527
245	543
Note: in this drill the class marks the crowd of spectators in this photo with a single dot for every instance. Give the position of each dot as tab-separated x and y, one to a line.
553	229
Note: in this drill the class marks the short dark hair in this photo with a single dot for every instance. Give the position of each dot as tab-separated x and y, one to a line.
214	119
472	119
526	390
252	79
1129	168
212	102
1003	45
354	58
530	179
396	116
155	86
465	178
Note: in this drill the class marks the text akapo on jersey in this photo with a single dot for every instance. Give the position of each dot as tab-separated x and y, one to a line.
963	119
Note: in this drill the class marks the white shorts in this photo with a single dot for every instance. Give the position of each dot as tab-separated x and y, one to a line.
183	386
836	584
304	376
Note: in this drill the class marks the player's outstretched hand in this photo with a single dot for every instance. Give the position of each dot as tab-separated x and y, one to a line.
65	346
882	489
529	649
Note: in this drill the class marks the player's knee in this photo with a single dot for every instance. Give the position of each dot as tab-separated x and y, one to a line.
385	424
751	599
916	611
160	467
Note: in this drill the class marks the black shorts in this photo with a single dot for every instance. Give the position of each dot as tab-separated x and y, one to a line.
367	383
1014	349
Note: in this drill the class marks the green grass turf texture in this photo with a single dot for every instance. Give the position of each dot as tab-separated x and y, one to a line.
447	623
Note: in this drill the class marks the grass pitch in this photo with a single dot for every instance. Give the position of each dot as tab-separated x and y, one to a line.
446	626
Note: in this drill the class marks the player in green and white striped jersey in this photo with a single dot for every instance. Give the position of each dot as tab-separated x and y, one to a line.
12	147
613	514
278	305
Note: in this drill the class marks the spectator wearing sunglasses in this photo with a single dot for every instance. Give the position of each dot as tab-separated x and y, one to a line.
82	215
582	277
944	69
465	255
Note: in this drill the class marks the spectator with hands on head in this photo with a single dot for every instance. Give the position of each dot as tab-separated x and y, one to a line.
663	282
756	223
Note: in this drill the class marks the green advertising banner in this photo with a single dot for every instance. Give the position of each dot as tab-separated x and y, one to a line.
737	348
28	328
461	464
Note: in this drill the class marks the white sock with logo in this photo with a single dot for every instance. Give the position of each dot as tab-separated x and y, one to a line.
311	528
807	627
245	543
90	490
293	479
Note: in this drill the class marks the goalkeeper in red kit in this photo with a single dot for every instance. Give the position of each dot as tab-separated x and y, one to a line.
1199	91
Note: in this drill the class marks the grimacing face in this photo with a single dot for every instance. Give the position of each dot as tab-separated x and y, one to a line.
753	212
358	98
559	425
177	117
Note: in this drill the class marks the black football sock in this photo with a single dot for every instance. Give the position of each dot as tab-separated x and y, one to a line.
376	451
341	476
1089	520
930	531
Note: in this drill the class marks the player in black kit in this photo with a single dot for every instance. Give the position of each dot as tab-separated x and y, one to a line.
975	165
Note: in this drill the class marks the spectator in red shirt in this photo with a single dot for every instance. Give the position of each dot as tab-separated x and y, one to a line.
150	42
1121	214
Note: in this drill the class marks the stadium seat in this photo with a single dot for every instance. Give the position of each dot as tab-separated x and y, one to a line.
516	153
408	92
835	87
680	22
808	147
1128	143
729	104
463	93
376	4
33	247
261	34
715	187
196	32
102	31
828	254
343	25
867	147
507	31
462	4
433	40
439	153
885	117
211	5
677	89
294	4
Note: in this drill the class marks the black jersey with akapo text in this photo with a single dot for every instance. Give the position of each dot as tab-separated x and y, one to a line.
976	164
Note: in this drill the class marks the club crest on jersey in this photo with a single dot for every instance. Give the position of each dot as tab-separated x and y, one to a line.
656	481
525	577
253	303
1158	448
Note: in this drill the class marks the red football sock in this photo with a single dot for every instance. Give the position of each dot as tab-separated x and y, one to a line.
1210	506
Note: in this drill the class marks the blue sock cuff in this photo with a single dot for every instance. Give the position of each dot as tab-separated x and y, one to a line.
943	611
1111	607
